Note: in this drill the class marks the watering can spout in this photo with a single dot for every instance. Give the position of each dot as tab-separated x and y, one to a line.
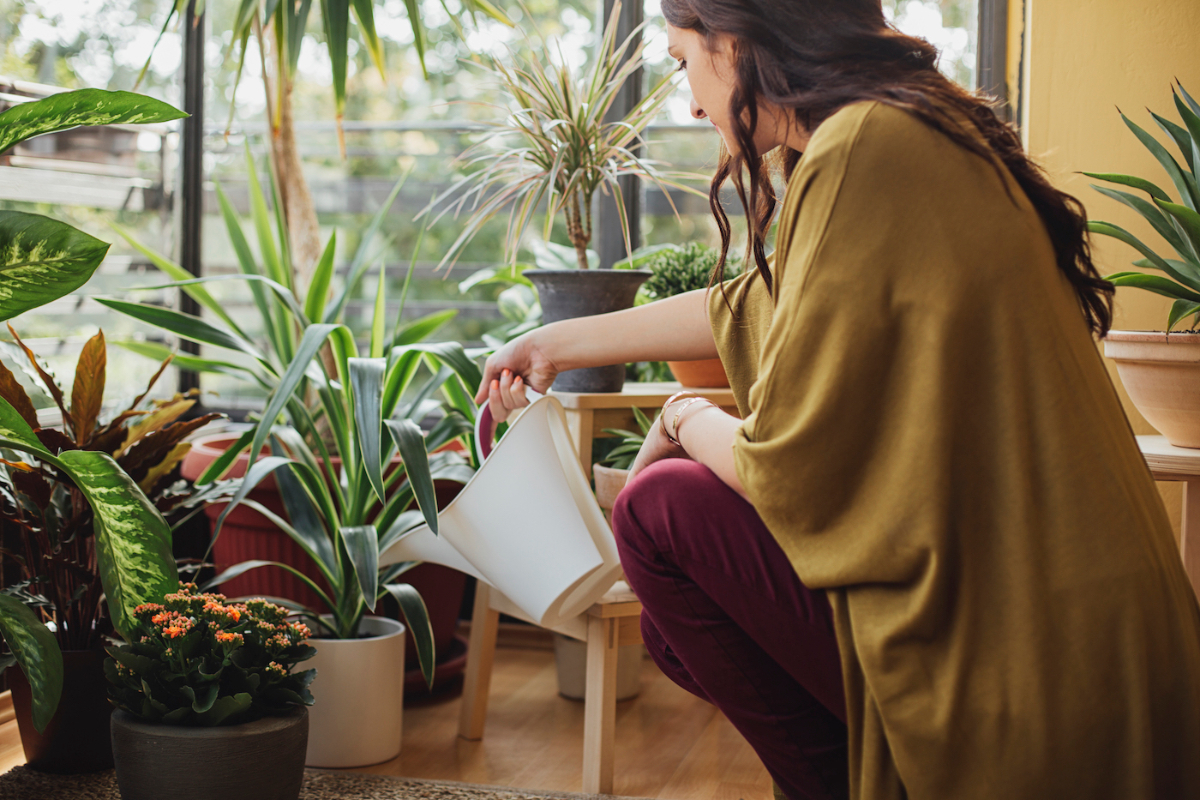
526	524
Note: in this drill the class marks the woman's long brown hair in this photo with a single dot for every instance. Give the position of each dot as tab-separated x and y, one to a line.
815	57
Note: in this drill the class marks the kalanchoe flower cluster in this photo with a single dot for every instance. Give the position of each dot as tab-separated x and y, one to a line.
201	660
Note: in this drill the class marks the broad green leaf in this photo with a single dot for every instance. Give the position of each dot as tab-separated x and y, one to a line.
318	289
66	110
37	654
314	338
336	16
1179	310
133	541
509	273
379	318
1150	212
1131	181
177	272
1186	190
12	391
16	433
1187	278
362	544
358	264
421	329
366	384
224	708
411	443
307	530
1180	136
1153	283
364	12
417	617
1189	222
187	326
42	260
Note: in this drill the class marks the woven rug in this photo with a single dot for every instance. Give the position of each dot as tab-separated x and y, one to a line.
20	783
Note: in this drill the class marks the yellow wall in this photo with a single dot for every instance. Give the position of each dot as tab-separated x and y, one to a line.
1082	59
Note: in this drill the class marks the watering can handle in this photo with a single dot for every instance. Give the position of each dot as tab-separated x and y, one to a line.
483	425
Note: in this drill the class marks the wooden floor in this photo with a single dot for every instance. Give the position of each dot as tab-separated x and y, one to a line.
669	744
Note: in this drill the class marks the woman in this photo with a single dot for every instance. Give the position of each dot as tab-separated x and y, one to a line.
928	562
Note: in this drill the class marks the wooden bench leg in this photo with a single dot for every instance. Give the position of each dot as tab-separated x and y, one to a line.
600	706
481	651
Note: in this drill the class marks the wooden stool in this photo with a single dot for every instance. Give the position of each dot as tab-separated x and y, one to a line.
612	622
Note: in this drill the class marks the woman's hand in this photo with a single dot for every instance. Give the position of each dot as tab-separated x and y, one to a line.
656	447
523	358
506	395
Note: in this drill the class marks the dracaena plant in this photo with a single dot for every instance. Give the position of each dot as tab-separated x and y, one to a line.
334	418
1176	222
42	259
556	146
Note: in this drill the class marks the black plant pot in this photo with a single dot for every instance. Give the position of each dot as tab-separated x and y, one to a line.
260	760
76	740
570	293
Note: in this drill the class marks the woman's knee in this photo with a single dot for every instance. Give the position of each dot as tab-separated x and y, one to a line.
644	507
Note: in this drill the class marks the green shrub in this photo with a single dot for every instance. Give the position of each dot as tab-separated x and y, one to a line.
684	269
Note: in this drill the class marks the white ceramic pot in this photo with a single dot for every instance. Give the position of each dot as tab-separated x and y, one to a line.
359	691
1161	372
570	661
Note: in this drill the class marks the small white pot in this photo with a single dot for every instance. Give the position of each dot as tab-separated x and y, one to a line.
358	715
570	661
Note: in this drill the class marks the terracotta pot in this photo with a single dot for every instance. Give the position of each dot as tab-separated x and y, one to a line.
248	535
609	483
358	715
76	740
571	293
260	760
1161	372
707	373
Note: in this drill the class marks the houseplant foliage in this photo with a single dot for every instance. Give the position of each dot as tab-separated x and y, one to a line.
69	557
629	442
279	29
333	417
42	259
1177	222
555	145
676	269
197	659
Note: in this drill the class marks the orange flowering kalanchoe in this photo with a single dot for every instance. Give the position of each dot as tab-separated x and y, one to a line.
192	642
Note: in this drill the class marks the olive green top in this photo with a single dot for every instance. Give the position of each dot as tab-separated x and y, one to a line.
931	436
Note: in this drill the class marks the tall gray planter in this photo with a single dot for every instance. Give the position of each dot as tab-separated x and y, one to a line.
571	293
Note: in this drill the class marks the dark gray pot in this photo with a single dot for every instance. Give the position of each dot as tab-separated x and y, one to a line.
261	760
571	293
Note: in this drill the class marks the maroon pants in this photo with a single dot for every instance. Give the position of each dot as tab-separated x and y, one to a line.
726	618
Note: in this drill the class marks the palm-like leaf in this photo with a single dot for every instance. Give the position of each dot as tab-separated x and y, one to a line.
1177	223
555	146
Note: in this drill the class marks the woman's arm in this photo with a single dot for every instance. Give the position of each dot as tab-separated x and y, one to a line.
705	434
674	329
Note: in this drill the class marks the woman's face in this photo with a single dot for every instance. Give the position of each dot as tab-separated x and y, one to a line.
711	75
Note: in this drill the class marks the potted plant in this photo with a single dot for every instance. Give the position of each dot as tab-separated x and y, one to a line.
556	145
76	523
204	691
686	268
612	471
349	484
1161	370
48	527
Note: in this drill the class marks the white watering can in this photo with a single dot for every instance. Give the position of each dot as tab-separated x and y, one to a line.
527	523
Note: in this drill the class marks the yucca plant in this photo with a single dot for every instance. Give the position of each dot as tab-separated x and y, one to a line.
279	28
1178	223
555	145
333	418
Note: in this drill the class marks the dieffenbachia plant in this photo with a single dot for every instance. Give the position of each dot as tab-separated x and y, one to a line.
133	552
42	259
1178	223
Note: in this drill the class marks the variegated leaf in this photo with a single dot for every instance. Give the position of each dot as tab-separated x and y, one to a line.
133	541
41	260
37	654
59	112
